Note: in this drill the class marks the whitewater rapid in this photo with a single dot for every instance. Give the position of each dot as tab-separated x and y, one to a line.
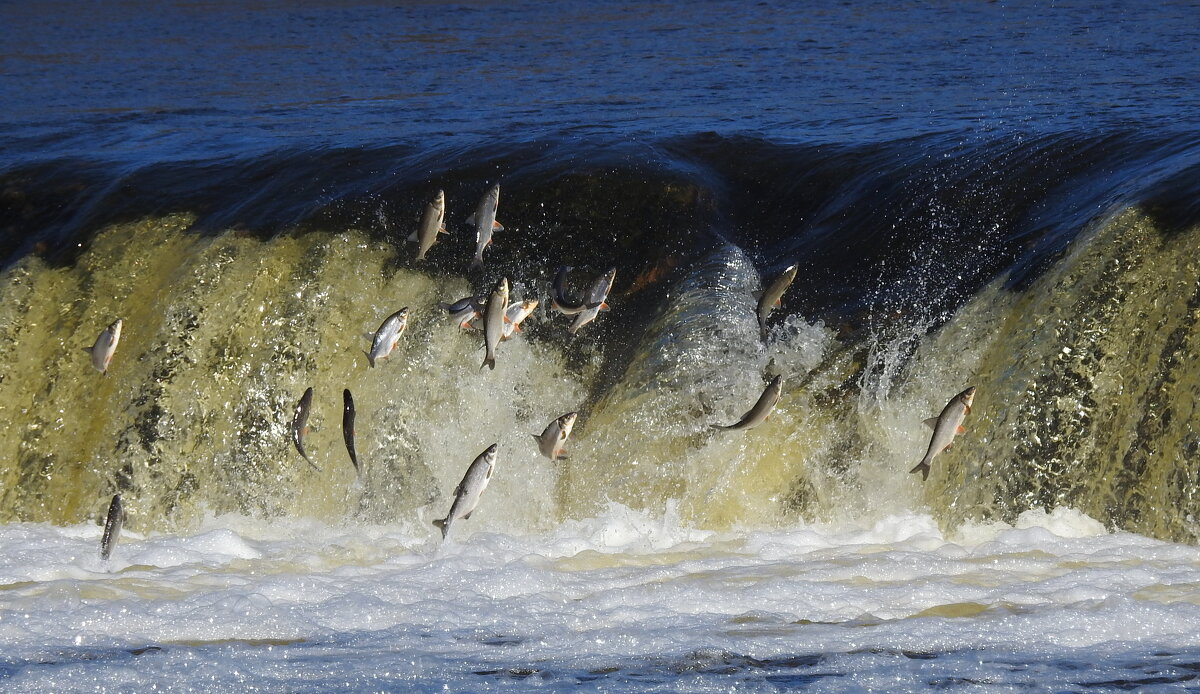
624	601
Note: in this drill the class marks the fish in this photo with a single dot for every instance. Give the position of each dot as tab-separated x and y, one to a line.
554	437
771	297
558	294
945	426
465	310
594	300
467	493
432	224
348	428
761	410
112	527
516	313
300	425
384	340
484	220
104	347
493	321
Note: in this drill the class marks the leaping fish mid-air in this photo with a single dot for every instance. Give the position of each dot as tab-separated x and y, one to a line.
384	340
432	224
945	426
484	221
761	410
104	347
468	491
494	316
593	301
465	310
771	297
559	297
112	527
554	437
300	425
348	428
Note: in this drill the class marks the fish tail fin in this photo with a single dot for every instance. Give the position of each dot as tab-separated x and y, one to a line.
923	468
489	362
442	525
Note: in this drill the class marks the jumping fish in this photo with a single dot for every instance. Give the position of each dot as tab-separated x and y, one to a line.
516	313
945	426
770	297
465	310
300	425
112	527
558	294
594	300
467	493
484	220
493	321
432	224
761	410
384	340
348	428
105	345
552	440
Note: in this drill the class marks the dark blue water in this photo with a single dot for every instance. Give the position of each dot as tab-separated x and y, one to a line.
150	81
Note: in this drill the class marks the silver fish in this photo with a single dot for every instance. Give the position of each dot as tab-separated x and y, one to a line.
105	345
761	410
432	224
484	220
465	310
467	493
300	425
558	294
594	300
516	313
112	527
552	440
945	426
348	428
385	338
771	295
493	321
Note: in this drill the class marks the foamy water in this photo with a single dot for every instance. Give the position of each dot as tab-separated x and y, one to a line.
620	602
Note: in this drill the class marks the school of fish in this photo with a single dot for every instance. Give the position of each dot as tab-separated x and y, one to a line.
499	319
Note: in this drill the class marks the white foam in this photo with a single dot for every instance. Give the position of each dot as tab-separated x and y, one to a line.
622	587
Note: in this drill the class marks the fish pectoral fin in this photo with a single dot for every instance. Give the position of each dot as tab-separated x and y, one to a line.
442	229
497	226
961	429
603	306
779	301
471	219
931	422
369	336
517	327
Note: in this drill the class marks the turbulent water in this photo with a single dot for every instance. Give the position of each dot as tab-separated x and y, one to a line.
974	197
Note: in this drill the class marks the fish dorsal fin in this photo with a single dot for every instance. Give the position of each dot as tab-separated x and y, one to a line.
439	523
412	238
471	219
497	226
467	515
537	437
931	422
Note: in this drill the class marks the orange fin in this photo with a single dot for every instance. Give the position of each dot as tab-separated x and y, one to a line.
497	226
961	429
442	230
